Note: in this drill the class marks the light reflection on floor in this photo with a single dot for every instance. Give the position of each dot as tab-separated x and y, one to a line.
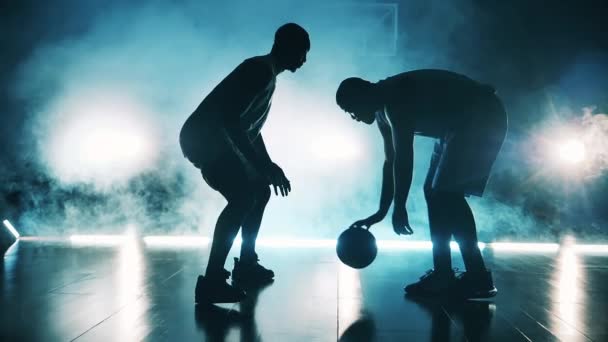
566	295
131	292
349	297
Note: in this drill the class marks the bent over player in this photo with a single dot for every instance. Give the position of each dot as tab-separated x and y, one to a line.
470	124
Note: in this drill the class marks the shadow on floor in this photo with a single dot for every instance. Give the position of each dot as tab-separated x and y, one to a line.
449	321
216	322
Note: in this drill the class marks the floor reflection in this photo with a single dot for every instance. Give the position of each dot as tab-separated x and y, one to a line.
221	324
128	292
476	319
7	270
362	330
452	319
449	322
566	295
55	291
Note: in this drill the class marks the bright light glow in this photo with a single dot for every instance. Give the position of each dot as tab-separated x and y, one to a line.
335	147
100	139
128	292
572	151
577	147
524	247
11	229
567	299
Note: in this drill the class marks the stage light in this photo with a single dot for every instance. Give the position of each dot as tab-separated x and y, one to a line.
101	140
11	229
572	151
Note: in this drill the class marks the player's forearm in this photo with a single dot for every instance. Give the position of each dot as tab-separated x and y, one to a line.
386	194
244	146
402	174
260	146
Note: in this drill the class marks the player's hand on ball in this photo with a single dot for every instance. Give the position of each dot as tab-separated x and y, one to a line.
279	181
368	222
401	224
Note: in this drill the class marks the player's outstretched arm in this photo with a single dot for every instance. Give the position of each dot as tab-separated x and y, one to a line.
386	192
403	167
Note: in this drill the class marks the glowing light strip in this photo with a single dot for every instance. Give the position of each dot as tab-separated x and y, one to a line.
417	245
288	243
524	247
394	244
176	241
591	248
105	240
202	241
11	229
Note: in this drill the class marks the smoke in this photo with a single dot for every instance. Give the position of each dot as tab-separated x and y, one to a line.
139	69
595	138
106	106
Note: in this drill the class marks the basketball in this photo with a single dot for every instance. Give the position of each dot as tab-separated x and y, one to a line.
356	247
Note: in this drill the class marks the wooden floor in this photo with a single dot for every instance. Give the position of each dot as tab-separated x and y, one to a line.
64	292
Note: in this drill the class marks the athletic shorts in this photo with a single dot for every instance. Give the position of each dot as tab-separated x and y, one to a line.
203	142
232	177
226	172
462	160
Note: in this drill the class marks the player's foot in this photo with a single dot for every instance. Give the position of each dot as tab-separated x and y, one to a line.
432	284
250	272
475	285
215	289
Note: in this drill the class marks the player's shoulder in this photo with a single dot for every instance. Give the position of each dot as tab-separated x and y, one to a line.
400	116
257	68
428	73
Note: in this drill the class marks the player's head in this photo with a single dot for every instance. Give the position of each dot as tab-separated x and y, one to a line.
358	98
291	44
